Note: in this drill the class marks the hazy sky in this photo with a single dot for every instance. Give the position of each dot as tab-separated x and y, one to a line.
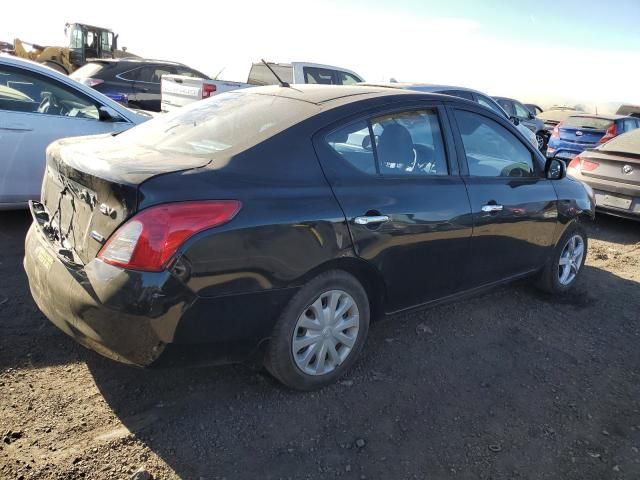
547	51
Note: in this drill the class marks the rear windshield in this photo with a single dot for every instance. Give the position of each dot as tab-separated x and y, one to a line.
230	121
87	71
588	122
261	75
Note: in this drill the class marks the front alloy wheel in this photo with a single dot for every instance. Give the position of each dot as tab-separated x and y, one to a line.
564	265
570	260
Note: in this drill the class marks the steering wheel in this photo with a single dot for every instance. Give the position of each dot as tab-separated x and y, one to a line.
514	172
49	104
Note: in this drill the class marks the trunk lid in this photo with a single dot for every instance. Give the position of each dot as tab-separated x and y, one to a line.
91	187
617	167
581	136
584	131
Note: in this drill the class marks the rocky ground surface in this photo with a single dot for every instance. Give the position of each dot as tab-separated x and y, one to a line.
512	384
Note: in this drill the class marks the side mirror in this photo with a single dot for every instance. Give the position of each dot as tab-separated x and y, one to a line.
108	114
555	169
515	120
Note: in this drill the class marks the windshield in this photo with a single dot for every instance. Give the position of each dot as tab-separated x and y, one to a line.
234	120
587	122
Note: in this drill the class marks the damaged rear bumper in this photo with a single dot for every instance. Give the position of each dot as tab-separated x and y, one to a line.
125	315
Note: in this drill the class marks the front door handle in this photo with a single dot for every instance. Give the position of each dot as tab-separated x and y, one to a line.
370	219
492	208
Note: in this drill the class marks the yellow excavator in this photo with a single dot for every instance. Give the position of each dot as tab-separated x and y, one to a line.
85	42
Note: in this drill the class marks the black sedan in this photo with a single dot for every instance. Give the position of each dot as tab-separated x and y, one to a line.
278	222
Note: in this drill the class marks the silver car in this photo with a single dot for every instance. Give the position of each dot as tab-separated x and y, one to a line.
37	106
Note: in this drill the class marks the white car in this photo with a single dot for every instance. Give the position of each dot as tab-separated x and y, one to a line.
180	90
37	106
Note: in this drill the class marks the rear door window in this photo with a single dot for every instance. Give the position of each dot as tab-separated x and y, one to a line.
403	144
486	102
507	105
630	124
521	110
131	75
319	75
345	78
410	143
491	150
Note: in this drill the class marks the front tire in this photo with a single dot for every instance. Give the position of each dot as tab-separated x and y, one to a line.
567	261
320	333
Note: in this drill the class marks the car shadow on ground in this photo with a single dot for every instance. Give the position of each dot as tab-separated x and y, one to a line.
614	229
510	383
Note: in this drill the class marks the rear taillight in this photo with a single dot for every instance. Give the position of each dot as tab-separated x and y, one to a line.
611	132
92	82
556	132
149	239
588	165
208	90
581	164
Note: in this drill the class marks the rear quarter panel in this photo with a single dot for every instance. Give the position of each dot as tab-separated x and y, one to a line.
289	223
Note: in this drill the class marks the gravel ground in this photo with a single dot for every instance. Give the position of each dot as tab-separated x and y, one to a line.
512	384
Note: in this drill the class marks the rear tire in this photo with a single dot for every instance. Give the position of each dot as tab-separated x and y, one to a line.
541	140
566	263
320	333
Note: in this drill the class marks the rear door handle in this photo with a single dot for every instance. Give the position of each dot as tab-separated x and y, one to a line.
492	208
370	219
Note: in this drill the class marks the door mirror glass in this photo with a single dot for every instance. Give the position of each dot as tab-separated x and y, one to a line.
108	114
555	169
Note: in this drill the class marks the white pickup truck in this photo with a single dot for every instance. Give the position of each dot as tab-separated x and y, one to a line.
179	90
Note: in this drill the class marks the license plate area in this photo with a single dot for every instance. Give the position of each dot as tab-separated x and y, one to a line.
615	201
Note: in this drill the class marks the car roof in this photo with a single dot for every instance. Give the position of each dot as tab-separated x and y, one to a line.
505	98
134	60
332	95
420	87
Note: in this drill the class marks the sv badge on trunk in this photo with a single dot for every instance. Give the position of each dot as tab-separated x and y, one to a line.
107	210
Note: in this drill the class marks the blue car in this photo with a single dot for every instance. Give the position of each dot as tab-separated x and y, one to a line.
583	131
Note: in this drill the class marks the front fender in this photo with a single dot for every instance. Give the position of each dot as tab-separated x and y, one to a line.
576	202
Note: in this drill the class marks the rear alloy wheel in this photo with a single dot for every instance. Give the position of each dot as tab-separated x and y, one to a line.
564	266
541	141
320	333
